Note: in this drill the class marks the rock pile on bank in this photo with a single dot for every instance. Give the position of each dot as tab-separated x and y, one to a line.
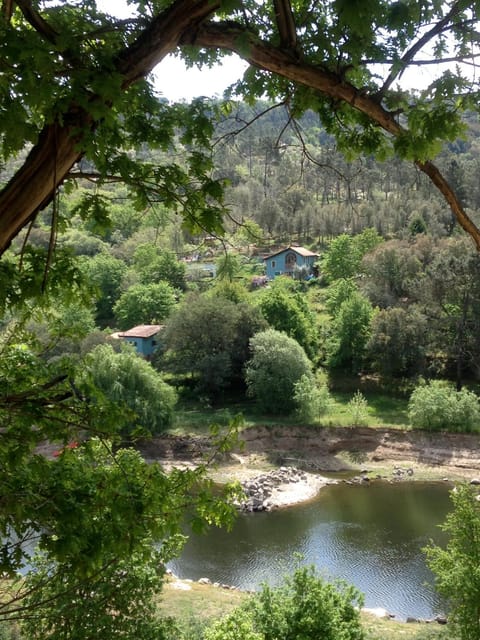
280	487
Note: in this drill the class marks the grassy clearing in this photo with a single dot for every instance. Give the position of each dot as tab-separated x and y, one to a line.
383	411
196	419
203	603
380	629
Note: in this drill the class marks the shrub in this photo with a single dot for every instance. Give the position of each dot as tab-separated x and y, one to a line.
303	607
358	409
132	386
312	401
277	363
238	625
437	405
456	565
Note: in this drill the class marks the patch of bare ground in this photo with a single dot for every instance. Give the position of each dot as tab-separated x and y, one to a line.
379	451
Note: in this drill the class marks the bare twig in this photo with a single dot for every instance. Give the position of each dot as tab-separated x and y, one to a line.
408	56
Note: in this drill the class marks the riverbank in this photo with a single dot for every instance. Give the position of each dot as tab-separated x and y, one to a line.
200	601
363	453
352	454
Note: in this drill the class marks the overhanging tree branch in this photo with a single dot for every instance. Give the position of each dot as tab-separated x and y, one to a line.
59	145
227	37
286	24
40	25
232	38
7	9
418	46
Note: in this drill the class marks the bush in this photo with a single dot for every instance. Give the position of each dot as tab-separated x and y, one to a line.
312	401
277	364
437	405
239	625
304	607
133	387
358	410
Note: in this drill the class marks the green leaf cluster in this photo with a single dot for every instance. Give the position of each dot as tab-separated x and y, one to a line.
277	363
288	311
437	405
144	304
303	606
131	384
456	565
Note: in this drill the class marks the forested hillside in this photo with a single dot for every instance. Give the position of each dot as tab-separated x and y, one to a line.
289	178
388	246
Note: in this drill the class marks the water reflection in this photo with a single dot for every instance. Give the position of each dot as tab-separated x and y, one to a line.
370	536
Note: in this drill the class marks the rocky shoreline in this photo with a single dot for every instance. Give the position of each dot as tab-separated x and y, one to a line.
351	454
281	488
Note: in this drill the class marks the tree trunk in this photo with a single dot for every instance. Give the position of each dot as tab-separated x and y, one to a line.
59	147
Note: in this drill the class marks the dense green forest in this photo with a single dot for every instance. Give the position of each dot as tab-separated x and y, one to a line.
290	178
397	295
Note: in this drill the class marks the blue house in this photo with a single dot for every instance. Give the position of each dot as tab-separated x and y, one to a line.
144	338
284	262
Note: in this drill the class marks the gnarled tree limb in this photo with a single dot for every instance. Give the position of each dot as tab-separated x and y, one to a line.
59	146
264	56
40	25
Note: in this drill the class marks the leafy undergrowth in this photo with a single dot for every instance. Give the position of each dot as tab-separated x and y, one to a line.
199	605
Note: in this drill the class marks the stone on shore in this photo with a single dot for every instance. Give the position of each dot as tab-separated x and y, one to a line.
280	488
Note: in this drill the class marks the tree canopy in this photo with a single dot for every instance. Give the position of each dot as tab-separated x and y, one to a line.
75	87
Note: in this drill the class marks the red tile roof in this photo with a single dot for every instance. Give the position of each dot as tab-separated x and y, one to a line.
141	331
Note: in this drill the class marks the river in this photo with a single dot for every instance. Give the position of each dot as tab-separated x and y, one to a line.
372	536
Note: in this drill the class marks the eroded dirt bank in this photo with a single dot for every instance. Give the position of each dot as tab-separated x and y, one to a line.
333	449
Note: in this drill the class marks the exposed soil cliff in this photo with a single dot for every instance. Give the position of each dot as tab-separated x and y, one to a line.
335	449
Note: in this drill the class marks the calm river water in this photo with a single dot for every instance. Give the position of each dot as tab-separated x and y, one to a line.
371	536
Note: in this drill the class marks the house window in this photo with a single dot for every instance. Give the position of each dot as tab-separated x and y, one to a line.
273	264
290	260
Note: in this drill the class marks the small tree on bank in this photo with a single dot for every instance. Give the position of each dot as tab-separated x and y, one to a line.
457	566
312	400
303	607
